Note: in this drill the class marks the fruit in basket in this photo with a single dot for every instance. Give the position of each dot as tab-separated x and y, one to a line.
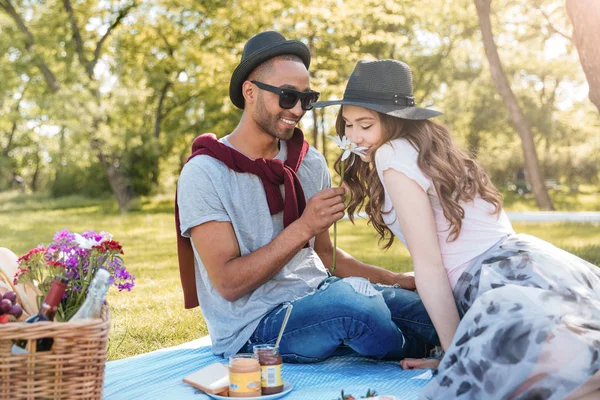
5	318
5	305
12	296
9	306
16	311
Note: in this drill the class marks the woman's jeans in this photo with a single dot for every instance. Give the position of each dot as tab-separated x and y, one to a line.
372	320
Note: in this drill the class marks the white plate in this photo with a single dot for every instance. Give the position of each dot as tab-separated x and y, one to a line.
287	387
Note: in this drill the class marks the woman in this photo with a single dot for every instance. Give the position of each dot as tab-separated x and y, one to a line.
530	323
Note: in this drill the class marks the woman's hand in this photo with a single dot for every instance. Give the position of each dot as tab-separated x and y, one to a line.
406	280
420	363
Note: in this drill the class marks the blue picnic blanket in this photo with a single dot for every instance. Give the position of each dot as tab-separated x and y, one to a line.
158	375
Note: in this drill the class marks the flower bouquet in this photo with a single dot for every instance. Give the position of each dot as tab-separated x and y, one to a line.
77	257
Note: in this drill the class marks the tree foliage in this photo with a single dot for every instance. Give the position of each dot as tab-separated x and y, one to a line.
107	96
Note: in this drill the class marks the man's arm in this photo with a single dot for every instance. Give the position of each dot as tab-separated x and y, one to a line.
350	266
234	275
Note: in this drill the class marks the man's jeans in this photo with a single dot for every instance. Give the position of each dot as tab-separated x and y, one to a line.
373	320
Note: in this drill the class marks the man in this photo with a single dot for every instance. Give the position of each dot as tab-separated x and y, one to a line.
254	249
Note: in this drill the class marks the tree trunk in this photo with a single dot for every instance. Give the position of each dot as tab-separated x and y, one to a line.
516	114
11	134
323	135
60	165
315	128
473	143
118	183
159	109
36	172
585	17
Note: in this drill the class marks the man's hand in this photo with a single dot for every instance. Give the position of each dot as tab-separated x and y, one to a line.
406	280
323	209
419	363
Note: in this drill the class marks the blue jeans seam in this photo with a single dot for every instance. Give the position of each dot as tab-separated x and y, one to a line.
411	321
328	321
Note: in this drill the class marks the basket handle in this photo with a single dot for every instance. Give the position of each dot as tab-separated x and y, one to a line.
7	280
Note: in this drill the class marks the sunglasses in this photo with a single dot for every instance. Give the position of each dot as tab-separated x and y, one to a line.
289	97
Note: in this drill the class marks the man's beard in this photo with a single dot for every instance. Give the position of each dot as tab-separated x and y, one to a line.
270	123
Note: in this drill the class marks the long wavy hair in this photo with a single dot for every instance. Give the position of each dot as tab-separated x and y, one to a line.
456	177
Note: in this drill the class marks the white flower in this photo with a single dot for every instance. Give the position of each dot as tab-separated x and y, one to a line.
85	243
106	236
348	146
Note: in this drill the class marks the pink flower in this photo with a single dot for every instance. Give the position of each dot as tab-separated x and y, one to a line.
19	272
31	253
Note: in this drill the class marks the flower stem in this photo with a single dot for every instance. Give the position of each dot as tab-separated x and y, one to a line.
335	226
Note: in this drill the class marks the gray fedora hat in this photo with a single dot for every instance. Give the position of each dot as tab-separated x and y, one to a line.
385	86
257	50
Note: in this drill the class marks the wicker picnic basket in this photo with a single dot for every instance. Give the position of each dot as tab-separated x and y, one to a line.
72	369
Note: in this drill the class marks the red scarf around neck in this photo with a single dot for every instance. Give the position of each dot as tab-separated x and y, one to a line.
272	174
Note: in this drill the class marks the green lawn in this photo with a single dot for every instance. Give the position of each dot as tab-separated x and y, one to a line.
587	198
152	316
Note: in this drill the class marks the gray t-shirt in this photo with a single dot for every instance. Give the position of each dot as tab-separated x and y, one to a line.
209	191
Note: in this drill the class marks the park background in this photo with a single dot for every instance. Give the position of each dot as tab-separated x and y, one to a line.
100	101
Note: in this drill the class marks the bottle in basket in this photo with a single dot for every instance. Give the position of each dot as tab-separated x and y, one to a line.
92	306
47	311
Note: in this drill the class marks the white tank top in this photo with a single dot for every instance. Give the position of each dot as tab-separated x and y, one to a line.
481	228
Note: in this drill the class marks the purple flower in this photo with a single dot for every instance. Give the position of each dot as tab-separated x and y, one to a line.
64	237
126	285
92	235
113	263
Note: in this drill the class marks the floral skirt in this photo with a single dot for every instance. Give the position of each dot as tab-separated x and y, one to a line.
530	326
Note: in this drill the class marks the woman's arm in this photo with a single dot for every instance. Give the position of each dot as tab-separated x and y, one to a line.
415	215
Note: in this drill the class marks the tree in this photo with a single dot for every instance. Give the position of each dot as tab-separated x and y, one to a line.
88	56
37	58
9	138
585	17
516	113
129	105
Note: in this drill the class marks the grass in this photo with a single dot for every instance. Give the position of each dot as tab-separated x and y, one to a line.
152	316
587	198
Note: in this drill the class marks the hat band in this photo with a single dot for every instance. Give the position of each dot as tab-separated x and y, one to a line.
390	98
